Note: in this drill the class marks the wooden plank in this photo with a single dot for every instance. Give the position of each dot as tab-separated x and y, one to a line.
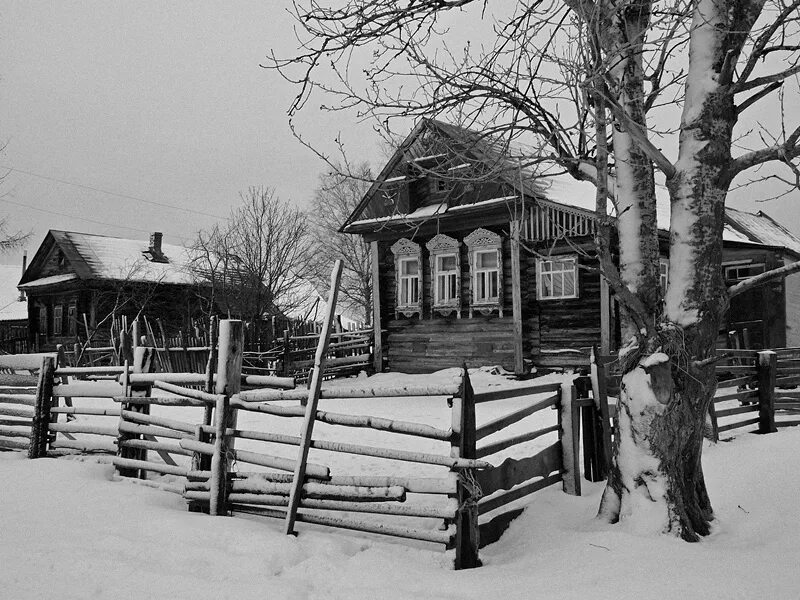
500	445
83	446
145	419
152	444
159	400
24	432
378	423
489	504
85	410
377	344
145	465
791	423
342	392
509	419
132	428
254	489
14	444
745	423
728	412
512	471
25	399
743	395
313	399
605	316
187	392
83	427
87	389
492	530
516	392
738	381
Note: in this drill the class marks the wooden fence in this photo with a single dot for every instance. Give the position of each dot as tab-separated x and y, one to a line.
753	389
349	352
470	485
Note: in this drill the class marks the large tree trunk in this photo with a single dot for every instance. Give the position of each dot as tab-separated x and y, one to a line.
656	480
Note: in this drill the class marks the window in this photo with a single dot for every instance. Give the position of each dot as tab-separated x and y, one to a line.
558	278
42	320
486	269
663	273
486	276
72	319
409	281
408	277
743	271
58	313
446	269
445	283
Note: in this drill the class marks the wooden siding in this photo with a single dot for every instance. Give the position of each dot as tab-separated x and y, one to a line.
416	346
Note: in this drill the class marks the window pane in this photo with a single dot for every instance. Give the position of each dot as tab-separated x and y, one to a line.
569	283
453	292
487	260
493	284
547	285
558	285
446	263
409	267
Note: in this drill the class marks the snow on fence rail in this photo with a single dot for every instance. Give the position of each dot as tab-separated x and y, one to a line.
20	377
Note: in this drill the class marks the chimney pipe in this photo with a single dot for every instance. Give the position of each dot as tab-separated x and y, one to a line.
24	266
155	242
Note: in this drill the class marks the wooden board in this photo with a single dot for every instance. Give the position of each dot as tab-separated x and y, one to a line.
512	471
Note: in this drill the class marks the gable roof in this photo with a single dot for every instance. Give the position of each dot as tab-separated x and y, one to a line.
513	166
106	258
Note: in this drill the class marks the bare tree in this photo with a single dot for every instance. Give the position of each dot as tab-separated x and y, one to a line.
608	86
335	199
255	264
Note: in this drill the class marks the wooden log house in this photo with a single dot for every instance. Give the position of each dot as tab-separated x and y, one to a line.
75	280
478	259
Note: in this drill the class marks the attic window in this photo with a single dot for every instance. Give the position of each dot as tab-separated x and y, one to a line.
61	259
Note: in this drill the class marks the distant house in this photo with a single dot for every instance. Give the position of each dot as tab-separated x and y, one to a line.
13	312
77	281
486	269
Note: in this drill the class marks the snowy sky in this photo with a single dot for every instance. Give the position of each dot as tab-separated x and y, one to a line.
159	102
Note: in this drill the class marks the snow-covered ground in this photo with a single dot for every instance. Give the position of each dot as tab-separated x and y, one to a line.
70	529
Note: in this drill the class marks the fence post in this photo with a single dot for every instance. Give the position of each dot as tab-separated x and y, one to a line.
313	399
570	440
463	445
41	414
286	354
142	363
600	394
766	368
229	381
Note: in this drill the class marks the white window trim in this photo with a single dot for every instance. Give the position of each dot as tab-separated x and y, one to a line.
476	275
405	250
441	246
730	266
483	240
406	286
557	259
441	275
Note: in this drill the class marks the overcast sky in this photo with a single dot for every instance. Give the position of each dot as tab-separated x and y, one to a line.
162	102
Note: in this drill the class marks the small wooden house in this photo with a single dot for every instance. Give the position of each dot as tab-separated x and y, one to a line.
478	259
75	281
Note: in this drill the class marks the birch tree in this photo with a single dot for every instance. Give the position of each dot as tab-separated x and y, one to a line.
622	93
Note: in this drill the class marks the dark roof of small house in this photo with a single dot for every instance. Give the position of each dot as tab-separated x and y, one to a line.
108	258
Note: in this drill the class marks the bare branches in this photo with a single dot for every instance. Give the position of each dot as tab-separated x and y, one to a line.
763	278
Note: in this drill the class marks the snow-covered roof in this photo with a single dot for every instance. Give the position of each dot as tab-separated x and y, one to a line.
762	228
45	281
103	257
119	258
11	308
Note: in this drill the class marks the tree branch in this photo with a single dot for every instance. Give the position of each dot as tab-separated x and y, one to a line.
752	282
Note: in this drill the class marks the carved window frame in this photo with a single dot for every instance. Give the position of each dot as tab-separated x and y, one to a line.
442	246
404	250
478	242
540	294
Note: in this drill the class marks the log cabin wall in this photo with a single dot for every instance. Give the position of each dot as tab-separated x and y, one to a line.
762	310
436	341
554	330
